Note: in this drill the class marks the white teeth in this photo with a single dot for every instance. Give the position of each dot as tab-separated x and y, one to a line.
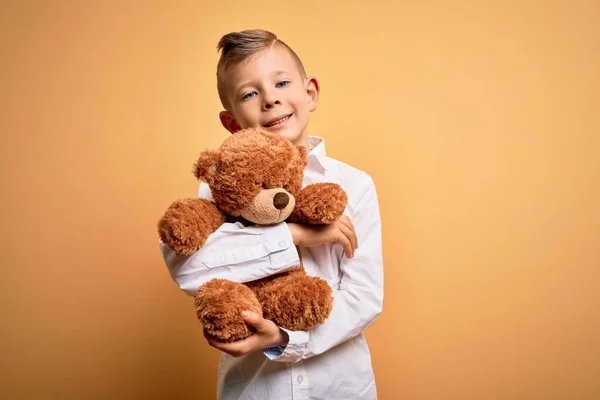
278	121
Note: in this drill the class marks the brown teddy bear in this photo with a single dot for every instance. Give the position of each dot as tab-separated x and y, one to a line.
254	176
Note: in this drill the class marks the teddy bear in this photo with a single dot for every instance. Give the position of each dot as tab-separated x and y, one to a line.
255	177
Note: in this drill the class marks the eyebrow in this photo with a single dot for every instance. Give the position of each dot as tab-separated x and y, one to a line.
239	90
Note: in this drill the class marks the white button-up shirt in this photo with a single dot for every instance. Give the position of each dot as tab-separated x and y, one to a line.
332	361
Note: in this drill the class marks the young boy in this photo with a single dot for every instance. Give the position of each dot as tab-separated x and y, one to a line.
262	83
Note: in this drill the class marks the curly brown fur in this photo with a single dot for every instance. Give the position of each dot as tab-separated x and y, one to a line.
296	301
219	303
204	167
257	285
249	161
319	203
186	224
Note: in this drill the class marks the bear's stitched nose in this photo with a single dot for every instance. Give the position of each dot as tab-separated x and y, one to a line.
280	200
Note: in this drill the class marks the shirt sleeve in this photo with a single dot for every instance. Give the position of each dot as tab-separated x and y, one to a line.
358	300
236	252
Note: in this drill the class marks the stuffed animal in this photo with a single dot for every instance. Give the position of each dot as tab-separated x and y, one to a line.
255	177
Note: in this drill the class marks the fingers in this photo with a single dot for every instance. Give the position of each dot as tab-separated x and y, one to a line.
347	229
341	231
267	334
342	238
236	349
253	319
348	223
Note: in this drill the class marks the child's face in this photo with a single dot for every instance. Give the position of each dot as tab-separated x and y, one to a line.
269	91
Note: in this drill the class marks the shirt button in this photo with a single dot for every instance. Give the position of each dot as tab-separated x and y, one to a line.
300	379
282	244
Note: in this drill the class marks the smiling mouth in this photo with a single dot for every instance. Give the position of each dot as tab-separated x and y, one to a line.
278	121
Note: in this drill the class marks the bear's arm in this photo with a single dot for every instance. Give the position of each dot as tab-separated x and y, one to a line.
234	251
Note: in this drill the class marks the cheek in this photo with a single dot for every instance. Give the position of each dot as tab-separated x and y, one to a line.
299	101
248	115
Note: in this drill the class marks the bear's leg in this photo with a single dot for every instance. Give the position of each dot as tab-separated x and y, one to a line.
295	300
219	303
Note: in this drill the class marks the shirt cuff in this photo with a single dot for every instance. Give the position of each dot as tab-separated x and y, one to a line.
279	243
273	352
294	349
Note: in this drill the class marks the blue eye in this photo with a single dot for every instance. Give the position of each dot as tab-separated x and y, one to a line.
282	84
248	96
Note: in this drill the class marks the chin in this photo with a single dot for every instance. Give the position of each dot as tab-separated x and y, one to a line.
292	135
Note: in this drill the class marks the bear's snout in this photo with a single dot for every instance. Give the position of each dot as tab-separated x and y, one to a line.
269	206
281	200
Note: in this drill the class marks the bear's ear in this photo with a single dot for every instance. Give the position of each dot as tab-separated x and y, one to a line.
205	167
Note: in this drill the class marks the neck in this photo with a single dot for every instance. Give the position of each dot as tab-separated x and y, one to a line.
302	141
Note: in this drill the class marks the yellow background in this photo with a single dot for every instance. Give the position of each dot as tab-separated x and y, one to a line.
479	122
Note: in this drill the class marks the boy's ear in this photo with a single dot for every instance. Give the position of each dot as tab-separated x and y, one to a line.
205	167
229	122
312	93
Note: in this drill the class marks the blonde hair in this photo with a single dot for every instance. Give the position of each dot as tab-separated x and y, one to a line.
235	47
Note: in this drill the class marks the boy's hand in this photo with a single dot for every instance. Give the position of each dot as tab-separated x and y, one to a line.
267	334
340	231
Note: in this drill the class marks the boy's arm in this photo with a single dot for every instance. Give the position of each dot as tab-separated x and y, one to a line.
358	300
234	252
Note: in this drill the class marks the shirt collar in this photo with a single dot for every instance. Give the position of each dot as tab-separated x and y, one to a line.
317	152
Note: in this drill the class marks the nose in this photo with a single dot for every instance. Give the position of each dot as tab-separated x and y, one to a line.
270	101
280	200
